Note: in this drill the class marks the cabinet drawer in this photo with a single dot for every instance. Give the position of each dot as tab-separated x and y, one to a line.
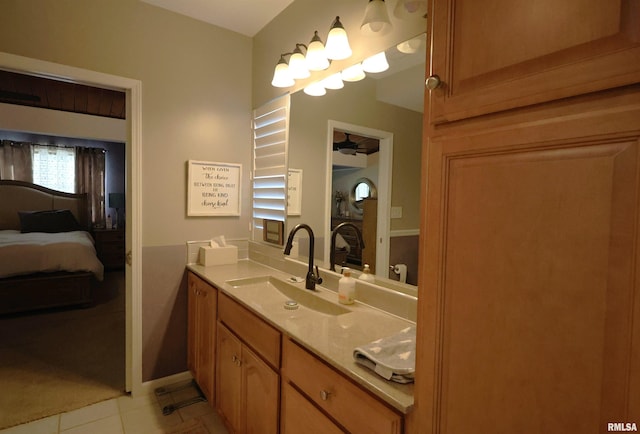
301	416
351	406
110	235
256	333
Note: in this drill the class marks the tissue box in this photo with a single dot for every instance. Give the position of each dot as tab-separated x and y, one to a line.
218	255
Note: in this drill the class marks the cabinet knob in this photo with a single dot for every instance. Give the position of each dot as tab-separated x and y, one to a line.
433	82
324	395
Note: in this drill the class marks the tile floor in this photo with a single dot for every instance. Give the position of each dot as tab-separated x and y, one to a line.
126	415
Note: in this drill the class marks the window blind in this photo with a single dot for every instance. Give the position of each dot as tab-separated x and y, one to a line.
269	175
54	167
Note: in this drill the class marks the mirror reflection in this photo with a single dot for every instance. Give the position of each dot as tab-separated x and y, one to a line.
377	120
362	190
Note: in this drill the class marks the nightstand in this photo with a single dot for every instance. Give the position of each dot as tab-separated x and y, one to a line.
110	246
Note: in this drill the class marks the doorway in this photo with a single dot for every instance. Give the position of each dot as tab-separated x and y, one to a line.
133	278
384	166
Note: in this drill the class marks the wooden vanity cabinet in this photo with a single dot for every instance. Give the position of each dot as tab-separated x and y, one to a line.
328	401
201	332
516	53
248	380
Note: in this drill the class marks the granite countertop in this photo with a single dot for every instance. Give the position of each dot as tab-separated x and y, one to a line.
331	337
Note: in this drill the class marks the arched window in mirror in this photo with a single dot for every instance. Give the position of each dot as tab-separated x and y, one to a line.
362	189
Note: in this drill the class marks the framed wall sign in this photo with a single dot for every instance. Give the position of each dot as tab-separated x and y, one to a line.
294	193
213	189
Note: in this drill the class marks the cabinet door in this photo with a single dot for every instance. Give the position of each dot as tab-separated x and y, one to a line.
192	296
300	416
499	54
260	395
206	343
528	316
229	377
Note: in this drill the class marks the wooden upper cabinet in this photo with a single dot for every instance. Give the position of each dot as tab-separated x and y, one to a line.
499	54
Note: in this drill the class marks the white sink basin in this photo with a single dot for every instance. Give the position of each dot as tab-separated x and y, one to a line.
270	286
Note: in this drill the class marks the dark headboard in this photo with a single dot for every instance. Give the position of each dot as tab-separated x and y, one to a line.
24	196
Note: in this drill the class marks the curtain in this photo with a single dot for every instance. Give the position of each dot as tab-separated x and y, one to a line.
15	161
90	166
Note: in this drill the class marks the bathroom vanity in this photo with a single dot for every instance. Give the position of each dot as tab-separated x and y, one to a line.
291	368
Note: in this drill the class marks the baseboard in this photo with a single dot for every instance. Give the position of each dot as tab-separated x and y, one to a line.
149	387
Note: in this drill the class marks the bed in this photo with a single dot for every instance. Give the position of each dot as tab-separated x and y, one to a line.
47	256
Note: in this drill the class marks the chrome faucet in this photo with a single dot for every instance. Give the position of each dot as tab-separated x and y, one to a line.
334	233
312	279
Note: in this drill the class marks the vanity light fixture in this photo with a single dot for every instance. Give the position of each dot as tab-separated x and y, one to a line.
337	47
282	76
316	56
376	63
315	89
410	8
353	73
297	64
376	19
333	82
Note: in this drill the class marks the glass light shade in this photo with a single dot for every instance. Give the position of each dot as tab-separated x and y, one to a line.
298	65
281	75
316	57
376	19
410	8
353	73
375	63
333	82
337	47
410	46
315	89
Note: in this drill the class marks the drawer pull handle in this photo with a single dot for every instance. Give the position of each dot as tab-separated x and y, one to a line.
324	395
236	360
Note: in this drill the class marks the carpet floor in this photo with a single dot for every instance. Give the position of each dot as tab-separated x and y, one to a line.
57	361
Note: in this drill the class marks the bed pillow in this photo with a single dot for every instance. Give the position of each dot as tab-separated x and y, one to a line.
60	220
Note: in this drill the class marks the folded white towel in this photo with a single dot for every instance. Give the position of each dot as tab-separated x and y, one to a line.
341	243
392	357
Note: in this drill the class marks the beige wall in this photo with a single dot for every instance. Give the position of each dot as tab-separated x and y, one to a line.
296	25
192	108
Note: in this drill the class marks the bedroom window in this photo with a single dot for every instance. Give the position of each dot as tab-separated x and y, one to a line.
54	167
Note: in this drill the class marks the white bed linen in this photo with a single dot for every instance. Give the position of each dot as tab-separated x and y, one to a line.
41	252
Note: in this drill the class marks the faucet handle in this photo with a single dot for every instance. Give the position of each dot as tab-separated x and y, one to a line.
318	278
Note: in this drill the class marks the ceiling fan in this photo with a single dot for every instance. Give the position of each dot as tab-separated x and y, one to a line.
347	146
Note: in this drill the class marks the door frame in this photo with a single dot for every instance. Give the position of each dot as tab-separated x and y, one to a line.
385	175
133	160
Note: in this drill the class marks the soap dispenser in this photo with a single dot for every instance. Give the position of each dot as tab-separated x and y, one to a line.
346	287
366	274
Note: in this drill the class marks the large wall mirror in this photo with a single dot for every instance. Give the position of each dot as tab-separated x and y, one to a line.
384	112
